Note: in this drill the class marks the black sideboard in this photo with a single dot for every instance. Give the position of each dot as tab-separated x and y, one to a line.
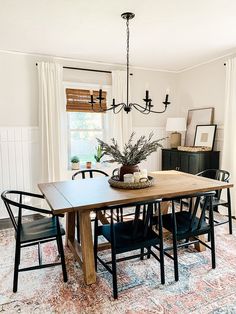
191	162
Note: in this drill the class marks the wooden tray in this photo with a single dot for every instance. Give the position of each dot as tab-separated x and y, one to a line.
115	183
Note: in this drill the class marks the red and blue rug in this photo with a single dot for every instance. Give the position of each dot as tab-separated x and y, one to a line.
199	290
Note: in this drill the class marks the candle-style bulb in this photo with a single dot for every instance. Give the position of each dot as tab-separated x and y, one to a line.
100	93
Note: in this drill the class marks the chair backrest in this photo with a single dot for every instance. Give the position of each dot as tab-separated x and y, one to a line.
149	207
193	209
13	198
216	174
88	173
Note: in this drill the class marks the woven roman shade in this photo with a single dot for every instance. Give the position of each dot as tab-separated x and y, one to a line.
77	100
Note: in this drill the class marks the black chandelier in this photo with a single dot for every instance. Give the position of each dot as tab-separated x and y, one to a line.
147	107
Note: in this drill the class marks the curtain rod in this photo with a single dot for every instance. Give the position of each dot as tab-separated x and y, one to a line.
83	69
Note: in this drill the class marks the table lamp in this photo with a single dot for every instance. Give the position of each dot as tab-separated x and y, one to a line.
175	125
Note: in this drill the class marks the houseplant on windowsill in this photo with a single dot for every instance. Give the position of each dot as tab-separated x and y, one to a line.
133	153
74	163
98	156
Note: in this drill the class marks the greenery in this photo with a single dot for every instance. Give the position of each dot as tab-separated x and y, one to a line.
74	159
99	153
132	154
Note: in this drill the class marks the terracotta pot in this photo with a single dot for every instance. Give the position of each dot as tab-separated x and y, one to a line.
127	169
88	164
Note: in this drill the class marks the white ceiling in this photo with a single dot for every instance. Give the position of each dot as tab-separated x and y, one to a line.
165	34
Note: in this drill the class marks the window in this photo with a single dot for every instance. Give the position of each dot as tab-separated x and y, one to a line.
84	125
84	128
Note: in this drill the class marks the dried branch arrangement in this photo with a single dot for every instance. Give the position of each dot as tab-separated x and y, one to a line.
133	153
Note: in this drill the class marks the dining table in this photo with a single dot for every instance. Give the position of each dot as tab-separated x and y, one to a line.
87	195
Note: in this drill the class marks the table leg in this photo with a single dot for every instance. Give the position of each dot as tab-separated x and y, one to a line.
70	227
87	248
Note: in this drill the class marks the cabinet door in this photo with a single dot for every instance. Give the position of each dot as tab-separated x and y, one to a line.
184	162
193	163
175	160
166	160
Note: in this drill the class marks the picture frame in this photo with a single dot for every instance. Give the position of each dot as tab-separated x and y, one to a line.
199	116
205	135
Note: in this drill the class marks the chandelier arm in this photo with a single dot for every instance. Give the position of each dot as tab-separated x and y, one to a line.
149	110
144	111
144	108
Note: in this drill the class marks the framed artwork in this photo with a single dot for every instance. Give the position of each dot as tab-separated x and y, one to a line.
205	135
197	117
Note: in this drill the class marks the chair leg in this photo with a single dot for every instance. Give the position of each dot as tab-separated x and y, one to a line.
229	211
16	266
61	251
212	235
141	253
77	227
176	270
149	252
114	274
95	245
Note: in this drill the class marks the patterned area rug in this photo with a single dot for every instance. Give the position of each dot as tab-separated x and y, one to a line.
200	289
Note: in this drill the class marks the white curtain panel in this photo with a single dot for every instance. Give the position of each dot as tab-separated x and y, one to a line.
50	117
121	123
229	146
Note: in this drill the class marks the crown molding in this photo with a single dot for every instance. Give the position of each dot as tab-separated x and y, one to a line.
120	65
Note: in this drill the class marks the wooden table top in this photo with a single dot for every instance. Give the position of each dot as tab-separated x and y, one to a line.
89	194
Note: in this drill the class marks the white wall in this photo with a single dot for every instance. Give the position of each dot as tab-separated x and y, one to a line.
203	86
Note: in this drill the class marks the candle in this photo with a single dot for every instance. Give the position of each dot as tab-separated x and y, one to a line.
137	177
113	102
143	173
147	94
128	178
91	92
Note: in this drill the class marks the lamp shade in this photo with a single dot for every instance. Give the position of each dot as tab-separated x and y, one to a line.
176	124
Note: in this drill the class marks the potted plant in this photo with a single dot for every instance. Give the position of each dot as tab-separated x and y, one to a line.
132	154
98	156
74	163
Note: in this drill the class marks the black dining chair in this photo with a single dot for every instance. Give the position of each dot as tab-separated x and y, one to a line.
185	226
221	175
33	232
89	173
131	235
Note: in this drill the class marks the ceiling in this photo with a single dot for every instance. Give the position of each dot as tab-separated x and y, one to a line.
165	34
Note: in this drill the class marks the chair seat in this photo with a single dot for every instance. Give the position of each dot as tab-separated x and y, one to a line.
125	237
39	229
183	222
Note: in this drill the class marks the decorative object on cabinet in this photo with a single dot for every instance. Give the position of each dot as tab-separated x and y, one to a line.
205	135
194	148
175	125
191	162
197	117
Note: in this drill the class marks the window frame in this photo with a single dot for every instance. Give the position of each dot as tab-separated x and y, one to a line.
89	86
